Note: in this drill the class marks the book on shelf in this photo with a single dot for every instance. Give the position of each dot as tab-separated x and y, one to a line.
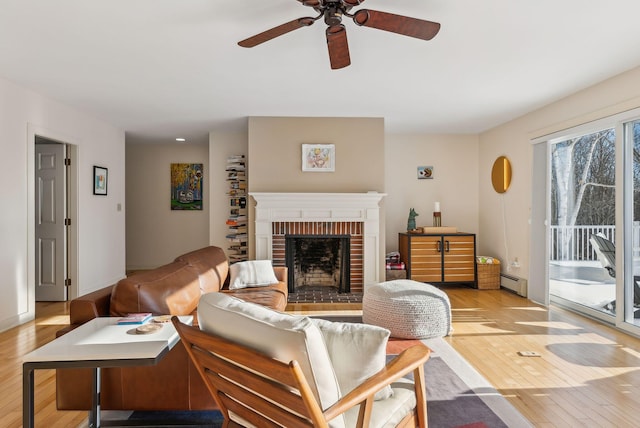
237	257
236	222
238	202
239	251
236	176
135	318
236	167
238	238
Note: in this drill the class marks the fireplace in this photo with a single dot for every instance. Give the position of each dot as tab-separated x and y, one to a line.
354	214
318	261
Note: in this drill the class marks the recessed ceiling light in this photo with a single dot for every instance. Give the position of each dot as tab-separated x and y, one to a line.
180	140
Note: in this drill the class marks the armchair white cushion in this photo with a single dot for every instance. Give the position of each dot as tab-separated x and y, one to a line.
357	352
289	337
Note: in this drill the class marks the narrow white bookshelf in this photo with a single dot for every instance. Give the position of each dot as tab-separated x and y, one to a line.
237	220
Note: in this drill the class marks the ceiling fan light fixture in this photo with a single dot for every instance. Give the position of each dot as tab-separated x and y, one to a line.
333	15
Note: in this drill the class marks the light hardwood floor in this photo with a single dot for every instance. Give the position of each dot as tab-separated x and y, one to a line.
588	374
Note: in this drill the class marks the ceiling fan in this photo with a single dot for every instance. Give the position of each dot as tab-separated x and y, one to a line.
333	11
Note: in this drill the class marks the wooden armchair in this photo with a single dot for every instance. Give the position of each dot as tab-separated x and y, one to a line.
254	389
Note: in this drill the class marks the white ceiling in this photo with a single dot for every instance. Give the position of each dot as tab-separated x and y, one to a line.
159	69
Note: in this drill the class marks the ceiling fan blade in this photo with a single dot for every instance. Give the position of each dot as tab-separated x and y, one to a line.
412	27
338	46
274	32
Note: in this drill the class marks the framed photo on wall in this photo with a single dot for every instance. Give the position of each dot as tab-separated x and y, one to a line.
425	172
318	157
100	176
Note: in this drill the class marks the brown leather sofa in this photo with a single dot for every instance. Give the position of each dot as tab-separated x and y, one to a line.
175	288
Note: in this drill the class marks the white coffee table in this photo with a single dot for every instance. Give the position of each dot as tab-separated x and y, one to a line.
98	343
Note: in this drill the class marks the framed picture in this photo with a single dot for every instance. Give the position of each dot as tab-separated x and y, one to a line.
99	180
186	186
425	172
318	157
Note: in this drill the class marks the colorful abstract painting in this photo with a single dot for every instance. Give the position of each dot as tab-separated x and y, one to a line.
186	186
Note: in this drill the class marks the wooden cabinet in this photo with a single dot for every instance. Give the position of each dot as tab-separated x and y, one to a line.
439	258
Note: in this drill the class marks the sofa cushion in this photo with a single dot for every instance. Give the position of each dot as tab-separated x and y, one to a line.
272	296
282	336
252	273
357	352
172	289
211	265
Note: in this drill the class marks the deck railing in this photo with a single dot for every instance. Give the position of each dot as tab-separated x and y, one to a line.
571	243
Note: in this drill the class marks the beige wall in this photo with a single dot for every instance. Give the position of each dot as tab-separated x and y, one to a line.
155	233
512	139
455	182
275	154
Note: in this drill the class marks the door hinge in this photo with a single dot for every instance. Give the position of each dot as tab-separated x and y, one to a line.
67	282
67	222
67	161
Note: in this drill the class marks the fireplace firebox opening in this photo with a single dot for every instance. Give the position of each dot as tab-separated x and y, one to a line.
318	260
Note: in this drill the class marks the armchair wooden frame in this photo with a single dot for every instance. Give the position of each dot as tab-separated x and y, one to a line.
266	392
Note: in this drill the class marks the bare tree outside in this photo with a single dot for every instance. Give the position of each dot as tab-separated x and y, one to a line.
583	185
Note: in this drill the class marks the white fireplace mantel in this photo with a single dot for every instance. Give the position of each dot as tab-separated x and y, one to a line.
329	207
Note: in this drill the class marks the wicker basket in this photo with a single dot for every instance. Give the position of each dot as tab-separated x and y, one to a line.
489	275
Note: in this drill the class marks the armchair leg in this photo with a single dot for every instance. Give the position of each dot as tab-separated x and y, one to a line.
421	396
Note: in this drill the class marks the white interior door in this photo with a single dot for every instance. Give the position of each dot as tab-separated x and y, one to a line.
50	205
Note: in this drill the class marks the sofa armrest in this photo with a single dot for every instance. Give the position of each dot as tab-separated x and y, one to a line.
90	306
281	273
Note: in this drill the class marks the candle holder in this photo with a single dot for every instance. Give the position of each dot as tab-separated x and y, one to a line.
437	219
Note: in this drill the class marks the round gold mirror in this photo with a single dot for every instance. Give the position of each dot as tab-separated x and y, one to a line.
501	174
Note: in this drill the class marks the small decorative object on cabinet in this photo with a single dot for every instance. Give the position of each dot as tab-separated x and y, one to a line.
237	221
439	258
411	221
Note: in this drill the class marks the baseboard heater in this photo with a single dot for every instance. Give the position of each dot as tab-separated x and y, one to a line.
514	283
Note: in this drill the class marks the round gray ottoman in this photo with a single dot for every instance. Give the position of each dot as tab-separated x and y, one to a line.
409	309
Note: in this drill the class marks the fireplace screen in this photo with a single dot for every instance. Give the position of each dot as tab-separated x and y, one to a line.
318	261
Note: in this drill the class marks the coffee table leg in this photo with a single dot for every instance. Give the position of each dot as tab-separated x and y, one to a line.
94	413
27	396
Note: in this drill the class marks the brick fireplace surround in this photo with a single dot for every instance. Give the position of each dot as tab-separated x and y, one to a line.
355	214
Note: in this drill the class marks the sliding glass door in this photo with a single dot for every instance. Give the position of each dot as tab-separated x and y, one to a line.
592	219
583	222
